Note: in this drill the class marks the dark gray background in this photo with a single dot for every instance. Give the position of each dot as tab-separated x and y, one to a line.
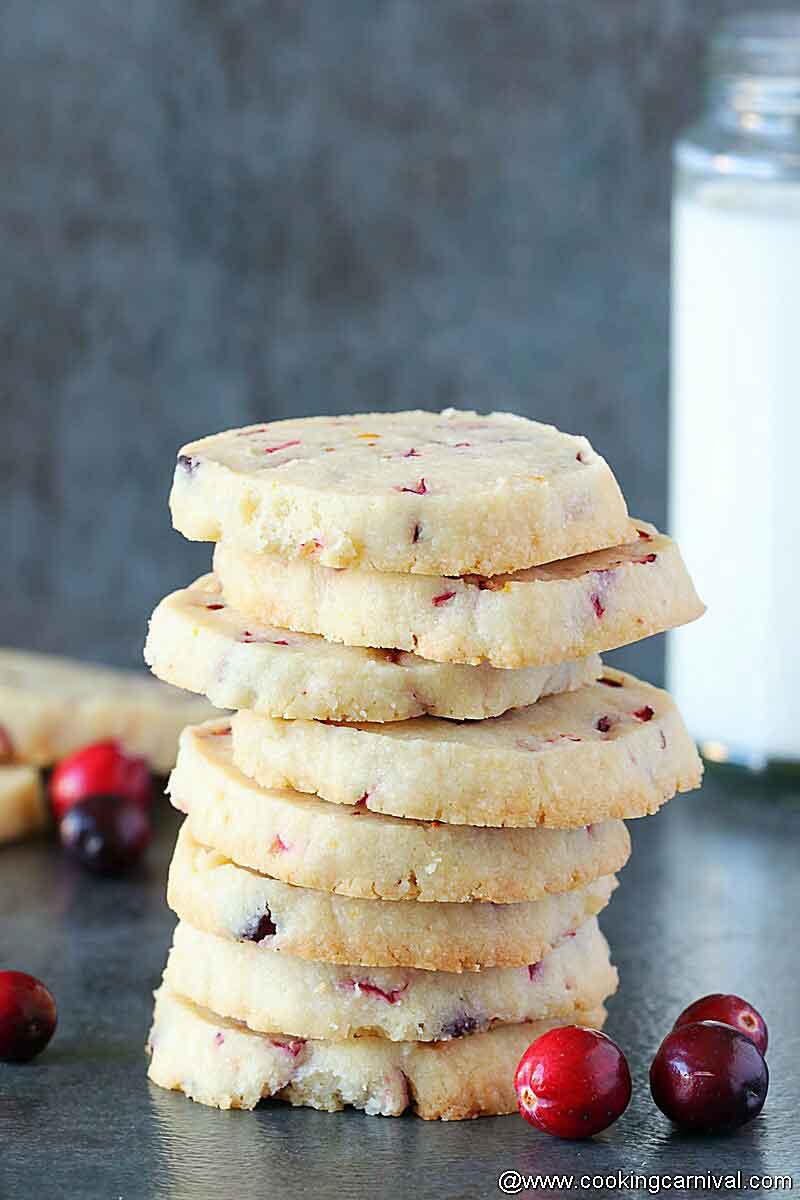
214	213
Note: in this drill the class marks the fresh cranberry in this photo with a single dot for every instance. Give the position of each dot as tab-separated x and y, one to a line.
730	1010
572	1082
27	1016
103	768
106	834
708	1076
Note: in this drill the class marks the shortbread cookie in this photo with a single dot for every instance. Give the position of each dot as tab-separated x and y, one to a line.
213	894
546	614
222	1063
22	806
431	493
273	992
51	706
199	642
354	852
616	748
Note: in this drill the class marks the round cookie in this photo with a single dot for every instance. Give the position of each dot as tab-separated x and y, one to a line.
222	1063
22	807
50	707
431	493
211	893
199	642
615	749
546	614
354	852
273	992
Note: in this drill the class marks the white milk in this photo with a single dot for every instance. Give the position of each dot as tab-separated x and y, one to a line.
735	464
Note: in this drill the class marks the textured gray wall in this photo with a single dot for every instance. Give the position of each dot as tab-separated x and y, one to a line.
214	213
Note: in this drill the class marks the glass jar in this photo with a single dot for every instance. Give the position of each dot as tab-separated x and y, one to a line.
735	397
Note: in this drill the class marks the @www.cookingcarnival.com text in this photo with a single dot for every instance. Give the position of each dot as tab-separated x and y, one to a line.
516	1183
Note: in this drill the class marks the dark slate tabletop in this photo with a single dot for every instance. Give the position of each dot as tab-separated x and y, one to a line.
710	901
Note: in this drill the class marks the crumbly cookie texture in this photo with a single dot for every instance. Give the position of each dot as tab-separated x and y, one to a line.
222	1063
617	748
546	614
22	806
274	992
430	493
199	642
354	852
211	893
51	706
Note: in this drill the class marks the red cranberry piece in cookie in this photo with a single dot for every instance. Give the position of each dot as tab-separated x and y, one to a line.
28	1016
572	1082
461	1025
260	928
102	768
730	1010
6	746
708	1076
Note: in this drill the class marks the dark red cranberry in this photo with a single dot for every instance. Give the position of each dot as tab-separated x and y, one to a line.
415	533
214	607
6	746
730	1010
460	1026
102	768
187	463
603	724
106	834
597	605
644	714
572	1082
708	1076
259	928
442	598
28	1016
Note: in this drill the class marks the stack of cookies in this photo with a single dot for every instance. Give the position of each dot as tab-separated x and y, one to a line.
395	852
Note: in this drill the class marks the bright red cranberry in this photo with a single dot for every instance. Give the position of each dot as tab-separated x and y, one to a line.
708	1076
106	834
27	1016
103	768
572	1082
730	1010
